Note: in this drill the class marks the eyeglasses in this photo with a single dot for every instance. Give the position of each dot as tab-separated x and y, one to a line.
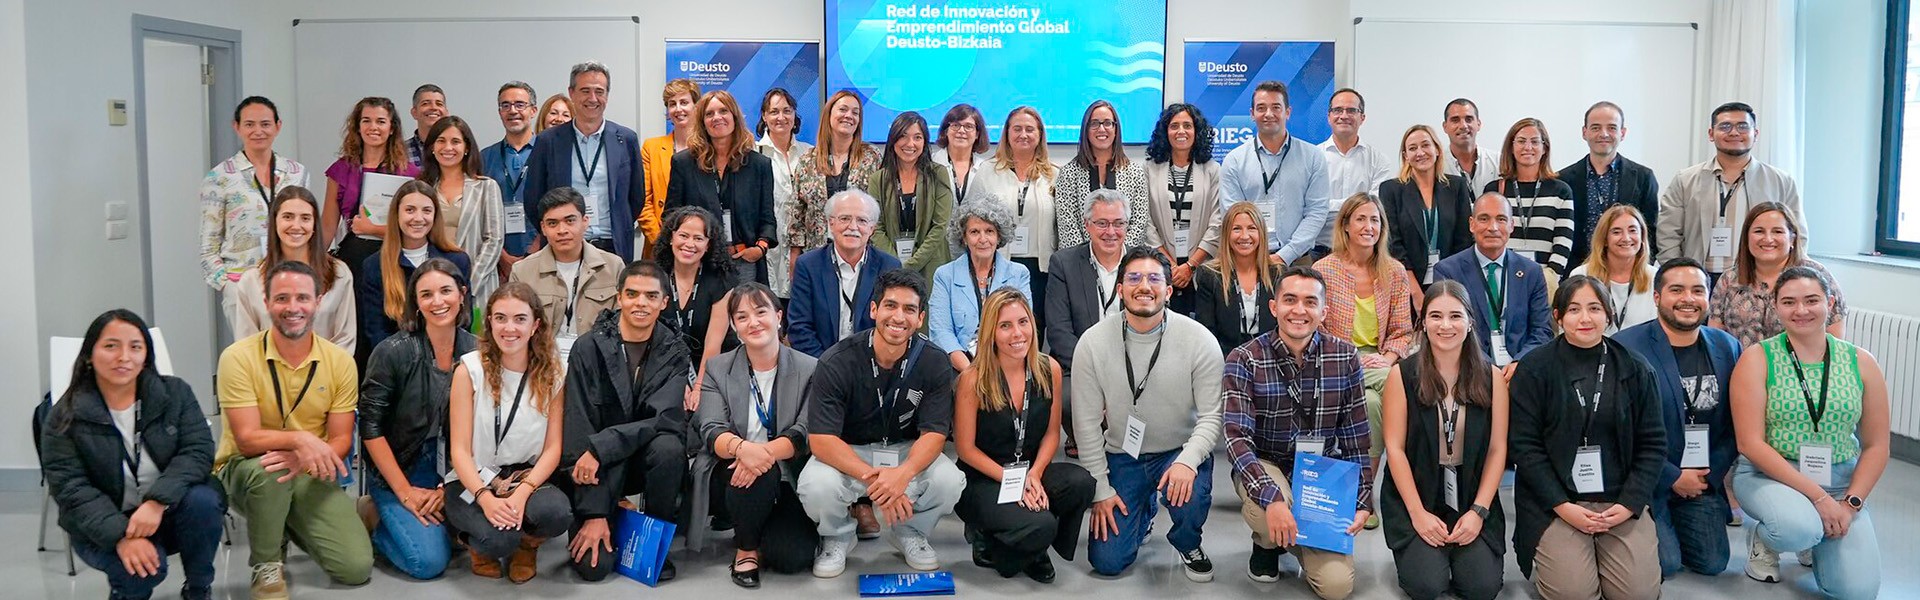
1345	110
1742	127
852	220
1528	142
1147	278
515	106
1108	224
1100	124
962	126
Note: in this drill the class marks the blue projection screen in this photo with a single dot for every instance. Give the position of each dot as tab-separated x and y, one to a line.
1058	57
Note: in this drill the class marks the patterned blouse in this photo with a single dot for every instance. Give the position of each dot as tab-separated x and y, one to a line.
1746	311
233	215
1071	191
1394	315
807	215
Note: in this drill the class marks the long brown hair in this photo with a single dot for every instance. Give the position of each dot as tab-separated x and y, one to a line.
316	257
393	157
1223	263
739	144
543	355
470	162
988	379
1041	167
1510	167
1084	157
393	284
1383	267
824	149
1597	256
1474	385
1745	270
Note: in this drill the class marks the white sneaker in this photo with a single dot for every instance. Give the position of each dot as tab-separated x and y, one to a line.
832	559
1805	556
1763	564
913	547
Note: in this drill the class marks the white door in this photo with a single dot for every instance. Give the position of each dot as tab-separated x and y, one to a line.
178	157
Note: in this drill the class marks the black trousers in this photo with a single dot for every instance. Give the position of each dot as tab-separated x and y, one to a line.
1016	536
654	472
768	518
547	515
1472	572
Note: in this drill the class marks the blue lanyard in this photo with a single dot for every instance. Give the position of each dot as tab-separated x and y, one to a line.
763	403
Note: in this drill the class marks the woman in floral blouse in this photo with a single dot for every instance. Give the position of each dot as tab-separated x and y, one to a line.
841	160
1743	301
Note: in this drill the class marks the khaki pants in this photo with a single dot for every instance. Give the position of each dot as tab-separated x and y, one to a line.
1330	574
1621	564
315	513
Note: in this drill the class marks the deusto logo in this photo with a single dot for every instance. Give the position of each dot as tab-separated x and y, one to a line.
1214	67
694	66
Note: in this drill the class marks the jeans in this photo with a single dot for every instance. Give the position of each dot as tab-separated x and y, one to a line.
1134	480
1693	533
419	550
190	527
1846	567
547	515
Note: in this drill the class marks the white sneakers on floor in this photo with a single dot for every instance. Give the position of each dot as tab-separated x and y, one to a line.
913	547
832	559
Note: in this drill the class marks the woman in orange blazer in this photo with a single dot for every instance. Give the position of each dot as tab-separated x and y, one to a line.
657	154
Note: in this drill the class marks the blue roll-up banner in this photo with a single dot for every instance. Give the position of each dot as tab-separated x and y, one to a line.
1221	75
747	69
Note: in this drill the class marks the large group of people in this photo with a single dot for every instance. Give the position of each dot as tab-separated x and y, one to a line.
754	334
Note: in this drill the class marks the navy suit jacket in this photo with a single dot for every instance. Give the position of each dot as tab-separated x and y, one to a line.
1649	341
813	312
551	165
1528	321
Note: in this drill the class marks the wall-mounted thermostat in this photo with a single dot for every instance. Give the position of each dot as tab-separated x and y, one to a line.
117	113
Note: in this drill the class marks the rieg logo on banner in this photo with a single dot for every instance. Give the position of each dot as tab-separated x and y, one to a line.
1221	77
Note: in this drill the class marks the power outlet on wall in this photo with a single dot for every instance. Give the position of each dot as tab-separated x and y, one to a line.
116	230
116	211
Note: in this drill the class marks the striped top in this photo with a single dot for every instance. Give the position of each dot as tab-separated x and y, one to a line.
1542	221
1789	422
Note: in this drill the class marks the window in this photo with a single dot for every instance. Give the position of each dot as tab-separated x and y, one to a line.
1899	225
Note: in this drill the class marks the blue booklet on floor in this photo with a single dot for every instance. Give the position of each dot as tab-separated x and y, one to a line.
901	585
1325	493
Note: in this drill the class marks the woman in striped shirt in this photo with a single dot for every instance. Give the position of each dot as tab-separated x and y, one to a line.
1542	204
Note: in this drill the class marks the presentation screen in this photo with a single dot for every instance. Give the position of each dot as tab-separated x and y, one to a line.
1058	57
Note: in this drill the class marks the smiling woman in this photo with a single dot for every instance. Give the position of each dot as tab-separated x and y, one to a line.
414	235
293	220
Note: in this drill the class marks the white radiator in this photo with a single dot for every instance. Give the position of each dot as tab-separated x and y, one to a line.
1895	341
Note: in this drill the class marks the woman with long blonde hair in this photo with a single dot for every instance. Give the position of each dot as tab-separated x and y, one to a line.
414	235
1231	291
1620	259
1022	178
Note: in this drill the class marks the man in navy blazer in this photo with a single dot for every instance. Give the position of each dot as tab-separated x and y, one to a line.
598	157
1629	182
833	284
1525	320
1692	363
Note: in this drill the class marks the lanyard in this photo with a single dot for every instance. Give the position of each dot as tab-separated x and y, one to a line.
500	431
1619	312
515	177
1180	182
1529	204
1111	293
979	286
273	180
1239	300
1140	387
960	187
1021	206
1301	409
1814	411
763	402
1726	191
683	312
1268	177
579	284
890	396
1449	424
133	460
589	167
1599	385
286	416
1020	419
1433	229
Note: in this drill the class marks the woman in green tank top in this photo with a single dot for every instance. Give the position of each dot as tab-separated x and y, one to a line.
1811	415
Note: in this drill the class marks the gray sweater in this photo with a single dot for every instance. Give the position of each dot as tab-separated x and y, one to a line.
1181	403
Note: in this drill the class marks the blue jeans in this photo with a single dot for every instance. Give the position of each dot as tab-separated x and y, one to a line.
191	527
1134	481
1692	533
1846	567
420	551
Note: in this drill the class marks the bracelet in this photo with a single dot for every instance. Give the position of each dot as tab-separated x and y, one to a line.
735	450
1479	509
1817	500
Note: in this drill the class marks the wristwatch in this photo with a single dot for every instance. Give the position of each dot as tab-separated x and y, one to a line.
1480	510
1855	502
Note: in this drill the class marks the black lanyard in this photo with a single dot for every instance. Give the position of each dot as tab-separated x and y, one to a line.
683	312
890	397
1530	204
133	460
1239	305
508	172
1180	182
1268	177
1020	418
979	286
500	431
589	167
1126	349
579	283
286	416
1301	410
1599	386
1020	207
1111	293
1726	191
1814	411
960	183
763	402
1449	425
273	180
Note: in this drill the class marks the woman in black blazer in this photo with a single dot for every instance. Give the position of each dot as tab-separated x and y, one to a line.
719	171
1426	209
1230	293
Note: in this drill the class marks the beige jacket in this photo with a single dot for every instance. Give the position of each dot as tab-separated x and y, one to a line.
595	288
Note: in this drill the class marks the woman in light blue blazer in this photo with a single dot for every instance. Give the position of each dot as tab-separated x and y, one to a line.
977	233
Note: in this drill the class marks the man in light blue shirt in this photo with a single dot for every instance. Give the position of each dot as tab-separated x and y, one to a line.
1285	177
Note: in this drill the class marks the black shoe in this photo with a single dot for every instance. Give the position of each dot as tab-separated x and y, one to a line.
749	578
1041	569
194	593
667	572
979	544
1199	568
1264	565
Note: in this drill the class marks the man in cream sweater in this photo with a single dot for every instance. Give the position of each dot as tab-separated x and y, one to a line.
1154	377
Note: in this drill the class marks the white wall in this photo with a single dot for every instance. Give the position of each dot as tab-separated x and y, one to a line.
19	362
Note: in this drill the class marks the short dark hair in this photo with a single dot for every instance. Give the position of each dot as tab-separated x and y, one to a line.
562	196
963	112
1134	253
1459	102
1303	271
1563	297
1803	272
1356	96
291	266
252	100
900	277
1272	85
592	66
1733	107
517	85
1660	276
752	293
642	268
1587	117
427	88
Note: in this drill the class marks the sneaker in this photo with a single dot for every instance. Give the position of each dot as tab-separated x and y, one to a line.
832	559
1199	568
1763	564
1264	565
868	527
269	581
913	547
1805	556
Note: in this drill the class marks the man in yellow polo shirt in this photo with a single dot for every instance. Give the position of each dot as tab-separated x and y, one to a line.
289	397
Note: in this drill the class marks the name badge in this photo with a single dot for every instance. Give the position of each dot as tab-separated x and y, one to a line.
1720	242
1310	444
1182	234
1499	342
486	476
726	225
1022	234
1695	456
565	343
1013	482
1452	487
1588	477
886	459
1816	463
1136	435
593	207
1433	260
904	244
515	216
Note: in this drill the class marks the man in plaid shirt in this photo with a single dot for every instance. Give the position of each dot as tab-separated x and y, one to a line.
1294	390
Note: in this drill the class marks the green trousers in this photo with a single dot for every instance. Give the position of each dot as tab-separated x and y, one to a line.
316	514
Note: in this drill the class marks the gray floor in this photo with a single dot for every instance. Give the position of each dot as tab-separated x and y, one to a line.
27	574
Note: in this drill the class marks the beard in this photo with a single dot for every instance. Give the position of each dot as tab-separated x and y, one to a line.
1672	319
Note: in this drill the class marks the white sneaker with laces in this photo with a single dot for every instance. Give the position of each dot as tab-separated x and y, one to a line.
1763	564
832	559
913	547
1805	556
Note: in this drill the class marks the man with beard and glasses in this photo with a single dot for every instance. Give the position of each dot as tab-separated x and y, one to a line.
1148	386
1703	205
1693	362
289	398
506	164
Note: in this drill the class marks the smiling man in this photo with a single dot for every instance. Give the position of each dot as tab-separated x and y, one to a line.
429	105
1604	178
598	158
506	163
1353	166
1509	290
1465	157
1703	205
1283	175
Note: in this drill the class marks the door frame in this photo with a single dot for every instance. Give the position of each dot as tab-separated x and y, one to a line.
223	56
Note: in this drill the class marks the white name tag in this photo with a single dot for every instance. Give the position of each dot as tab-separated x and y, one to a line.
1310	444
565	342
1695	456
1022	236
1433	260
593	207
1136	435
1182	234
886	459
1816	462
1588	477
1499	342
1013	482
904	244
726	225
1720	242
1452	487
515	216
486	478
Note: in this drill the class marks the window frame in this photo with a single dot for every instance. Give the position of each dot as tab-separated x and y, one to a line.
1893	123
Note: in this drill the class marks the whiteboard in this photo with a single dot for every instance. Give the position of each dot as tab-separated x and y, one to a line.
1551	71
338	62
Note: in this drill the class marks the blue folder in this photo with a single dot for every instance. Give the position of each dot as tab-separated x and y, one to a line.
902	585
1325	496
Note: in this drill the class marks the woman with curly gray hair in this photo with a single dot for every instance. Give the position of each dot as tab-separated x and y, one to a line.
978	231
